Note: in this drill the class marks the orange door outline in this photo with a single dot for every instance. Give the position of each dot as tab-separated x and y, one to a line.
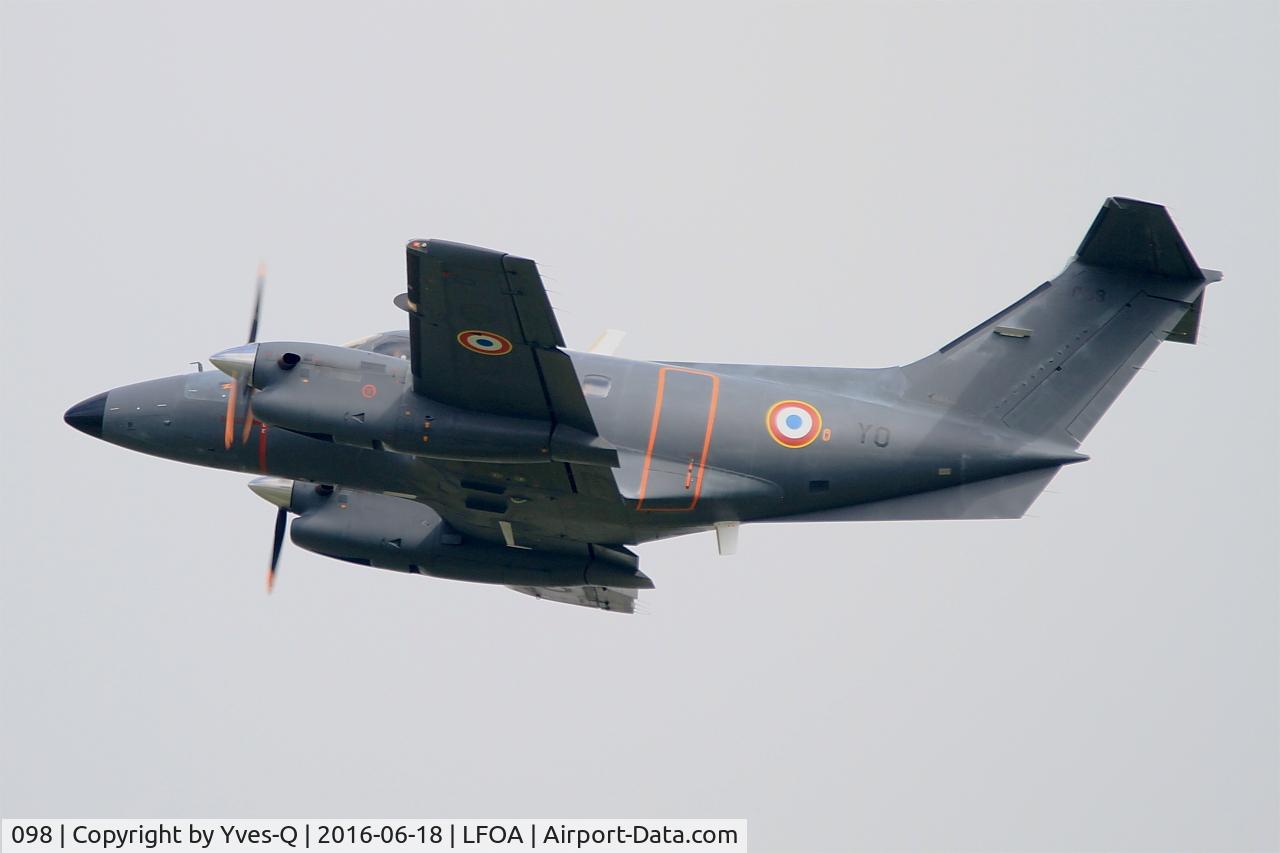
653	437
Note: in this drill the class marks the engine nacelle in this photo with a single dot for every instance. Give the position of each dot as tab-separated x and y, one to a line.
366	399
395	533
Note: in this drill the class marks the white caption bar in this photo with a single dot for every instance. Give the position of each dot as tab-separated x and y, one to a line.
410	836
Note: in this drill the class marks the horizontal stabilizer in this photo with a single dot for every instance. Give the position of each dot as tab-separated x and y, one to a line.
1187	329
1140	237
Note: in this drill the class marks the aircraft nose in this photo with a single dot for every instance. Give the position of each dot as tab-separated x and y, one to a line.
87	415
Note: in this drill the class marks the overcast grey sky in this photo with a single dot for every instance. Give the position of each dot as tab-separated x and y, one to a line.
843	184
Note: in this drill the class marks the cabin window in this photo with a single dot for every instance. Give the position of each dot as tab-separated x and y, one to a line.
595	385
819	485
211	385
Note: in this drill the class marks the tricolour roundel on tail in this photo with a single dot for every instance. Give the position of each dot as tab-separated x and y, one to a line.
485	343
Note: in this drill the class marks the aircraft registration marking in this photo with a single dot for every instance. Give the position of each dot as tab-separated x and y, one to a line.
879	435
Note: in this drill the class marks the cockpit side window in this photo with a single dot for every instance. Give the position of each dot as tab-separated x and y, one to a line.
397	348
395	344
209	385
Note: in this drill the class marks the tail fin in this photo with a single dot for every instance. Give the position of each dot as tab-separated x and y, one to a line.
1053	362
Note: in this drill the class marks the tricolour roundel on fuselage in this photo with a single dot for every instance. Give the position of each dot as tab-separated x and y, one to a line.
485	343
793	423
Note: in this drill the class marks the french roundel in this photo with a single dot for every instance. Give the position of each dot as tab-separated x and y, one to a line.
485	343
793	423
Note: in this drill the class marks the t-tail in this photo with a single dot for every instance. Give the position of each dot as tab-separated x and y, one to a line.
1053	362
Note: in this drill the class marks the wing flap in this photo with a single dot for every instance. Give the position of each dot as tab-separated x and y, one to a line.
658	484
564	390
598	597
533	307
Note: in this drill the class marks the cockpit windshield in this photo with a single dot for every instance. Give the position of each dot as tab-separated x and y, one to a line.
394	344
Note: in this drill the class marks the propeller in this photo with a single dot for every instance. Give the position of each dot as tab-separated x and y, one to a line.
278	491
282	519
259	285
246	389
282	514
238	364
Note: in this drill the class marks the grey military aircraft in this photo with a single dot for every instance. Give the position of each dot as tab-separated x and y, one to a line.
476	447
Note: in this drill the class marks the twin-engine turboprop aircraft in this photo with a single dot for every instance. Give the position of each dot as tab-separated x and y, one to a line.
476	447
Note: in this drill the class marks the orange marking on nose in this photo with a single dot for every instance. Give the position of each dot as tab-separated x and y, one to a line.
248	424
229	429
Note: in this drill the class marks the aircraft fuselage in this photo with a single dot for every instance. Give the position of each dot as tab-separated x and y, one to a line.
695	443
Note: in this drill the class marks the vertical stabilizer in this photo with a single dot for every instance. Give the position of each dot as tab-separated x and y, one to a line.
1053	362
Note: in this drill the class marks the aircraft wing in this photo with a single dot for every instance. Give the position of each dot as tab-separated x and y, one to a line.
483	335
601	589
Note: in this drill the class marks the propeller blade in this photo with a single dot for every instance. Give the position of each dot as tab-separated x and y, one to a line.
282	518
244	412
257	302
248	418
